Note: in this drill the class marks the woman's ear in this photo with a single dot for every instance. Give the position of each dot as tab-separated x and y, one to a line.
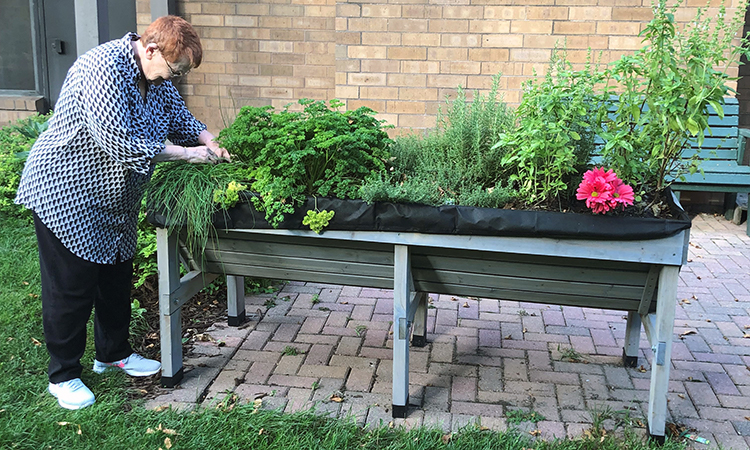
151	49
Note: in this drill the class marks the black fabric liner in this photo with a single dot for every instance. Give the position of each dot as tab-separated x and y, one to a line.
357	215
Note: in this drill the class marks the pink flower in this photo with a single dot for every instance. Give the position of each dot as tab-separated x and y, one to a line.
602	190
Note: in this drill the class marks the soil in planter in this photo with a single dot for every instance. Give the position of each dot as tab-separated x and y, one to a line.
198	314
649	207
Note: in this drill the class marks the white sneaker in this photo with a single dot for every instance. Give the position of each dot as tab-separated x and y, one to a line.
134	365
72	394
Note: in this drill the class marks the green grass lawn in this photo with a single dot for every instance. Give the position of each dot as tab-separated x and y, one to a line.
31	419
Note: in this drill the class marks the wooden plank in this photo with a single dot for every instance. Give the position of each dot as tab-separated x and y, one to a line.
304	247
743	188
299	263
530	284
531	297
714	154
250	270
491	264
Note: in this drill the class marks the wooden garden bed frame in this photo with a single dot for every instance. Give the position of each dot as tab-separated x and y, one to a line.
639	277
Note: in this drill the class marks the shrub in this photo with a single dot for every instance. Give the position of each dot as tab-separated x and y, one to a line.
319	151
455	162
15	142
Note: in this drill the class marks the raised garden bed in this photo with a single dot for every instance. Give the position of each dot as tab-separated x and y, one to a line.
540	257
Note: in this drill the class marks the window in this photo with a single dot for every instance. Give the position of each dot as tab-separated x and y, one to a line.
16	51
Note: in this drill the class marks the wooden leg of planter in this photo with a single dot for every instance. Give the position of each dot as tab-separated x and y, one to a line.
401	297
170	321
661	342
419	334
235	300
632	340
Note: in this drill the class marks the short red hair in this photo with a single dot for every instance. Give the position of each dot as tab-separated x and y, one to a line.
175	38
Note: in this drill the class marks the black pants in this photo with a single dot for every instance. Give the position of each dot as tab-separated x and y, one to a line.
71	286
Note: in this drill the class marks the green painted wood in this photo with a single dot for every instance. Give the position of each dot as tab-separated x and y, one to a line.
312	264
531	297
542	268
250	270
529	284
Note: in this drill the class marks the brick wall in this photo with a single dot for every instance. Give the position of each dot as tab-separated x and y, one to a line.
16	107
402	58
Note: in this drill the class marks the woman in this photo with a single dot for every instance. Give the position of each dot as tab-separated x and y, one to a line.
84	180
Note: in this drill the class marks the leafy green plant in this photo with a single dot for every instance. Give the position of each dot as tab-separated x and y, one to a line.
317	220
138	324
318	151
15	142
554	137
570	354
666	89
360	329
230	196
453	163
315	299
290	351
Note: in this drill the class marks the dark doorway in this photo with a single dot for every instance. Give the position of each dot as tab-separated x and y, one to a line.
60	43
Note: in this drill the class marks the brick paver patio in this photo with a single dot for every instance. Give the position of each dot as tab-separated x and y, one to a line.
487	357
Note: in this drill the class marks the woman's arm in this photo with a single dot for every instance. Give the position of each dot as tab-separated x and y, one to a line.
207	139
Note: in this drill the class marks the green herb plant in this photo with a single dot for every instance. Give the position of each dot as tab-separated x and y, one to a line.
665	91
319	151
15	142
454	163
554	136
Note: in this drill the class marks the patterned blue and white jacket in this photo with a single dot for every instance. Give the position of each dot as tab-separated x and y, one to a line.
85	175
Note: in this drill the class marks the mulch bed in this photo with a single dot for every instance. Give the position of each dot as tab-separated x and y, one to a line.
198	314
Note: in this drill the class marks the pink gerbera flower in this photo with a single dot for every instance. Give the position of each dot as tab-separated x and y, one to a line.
602	190
622	194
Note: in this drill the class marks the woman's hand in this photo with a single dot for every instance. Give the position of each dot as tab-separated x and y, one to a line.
203	154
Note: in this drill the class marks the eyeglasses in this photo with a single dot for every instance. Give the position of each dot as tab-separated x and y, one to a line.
174	73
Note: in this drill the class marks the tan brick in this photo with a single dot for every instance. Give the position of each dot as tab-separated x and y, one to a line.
217	8
399	107
380	65
253	33
210	45
253	9
354	38
461	40
320	59
432	12
274	22
290	82
255	57
390	119
255	81
449	81
407	53
287	35
372	79
287	10
212	68
424	94
505	12
420	67
276	92
273	70
313	23
320	36
522	54
569	42
489	26
381	39
369	24
449	26
488	54
320	11
375	105
208	20
461	67
409	25
547	13
348	10
610	28
421	39
276	46
447	54
348	65
216	32
378	93
407	80
634	14
590	13
414	11
218	57
416	121
319	83
574	27
311	47
531	27
367	52
625	43
381	10
305	71
343	91
502	40
484	82
463	12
